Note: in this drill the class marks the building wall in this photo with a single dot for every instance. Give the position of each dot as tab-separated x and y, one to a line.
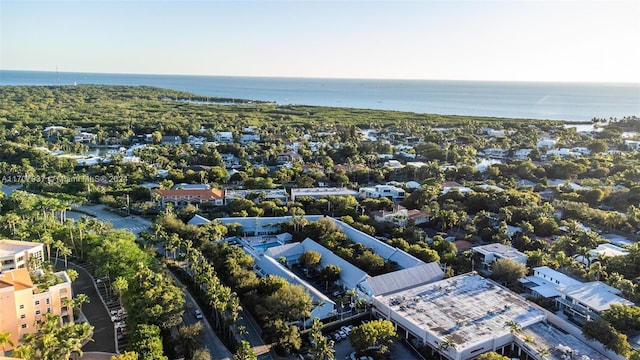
19	312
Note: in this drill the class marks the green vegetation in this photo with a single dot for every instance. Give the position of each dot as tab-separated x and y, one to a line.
54	340
333	150
375	335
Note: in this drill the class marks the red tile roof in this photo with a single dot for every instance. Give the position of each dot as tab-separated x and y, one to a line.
204	194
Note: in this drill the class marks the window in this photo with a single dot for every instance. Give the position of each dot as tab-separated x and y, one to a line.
23	316
48	310
21	306
37	302
37	312
24	326
48	301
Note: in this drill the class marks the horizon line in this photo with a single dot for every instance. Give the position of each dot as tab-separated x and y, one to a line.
334	78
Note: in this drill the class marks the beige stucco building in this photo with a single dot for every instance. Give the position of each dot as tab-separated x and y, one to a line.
24	300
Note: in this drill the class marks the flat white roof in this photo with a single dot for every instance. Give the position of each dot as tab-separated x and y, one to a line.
322	191
610	250
11	247
596	295
548	273
468	309
502	250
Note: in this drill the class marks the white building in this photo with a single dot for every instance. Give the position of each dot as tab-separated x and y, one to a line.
545	282
522	154
223	136
379	191
460	317
350	275
15	254
490	253
546	142
318	193
261	194
633	145
585	301
496	153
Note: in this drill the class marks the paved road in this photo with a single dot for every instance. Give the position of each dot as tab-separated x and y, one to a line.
209	339
95	312
135	224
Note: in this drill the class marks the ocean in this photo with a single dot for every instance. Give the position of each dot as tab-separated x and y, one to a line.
529	100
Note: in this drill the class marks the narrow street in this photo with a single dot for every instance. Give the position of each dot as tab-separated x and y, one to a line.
209	338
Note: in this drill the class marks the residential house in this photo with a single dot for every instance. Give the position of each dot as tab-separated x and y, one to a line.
522	154
632	145
288	157
257	194
379	191
171	140
248	138
318	193
586	301
546	142
602	251
223	136
545	282
448	186
496	153
400	216
16	254
85	137
196	141
230	160
486	255
25	301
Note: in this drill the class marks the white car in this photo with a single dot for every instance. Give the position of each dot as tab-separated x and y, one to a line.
198	314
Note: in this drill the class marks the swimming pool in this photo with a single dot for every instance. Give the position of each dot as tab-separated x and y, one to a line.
266	246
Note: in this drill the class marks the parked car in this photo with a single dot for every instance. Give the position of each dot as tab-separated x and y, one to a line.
198	314
336	336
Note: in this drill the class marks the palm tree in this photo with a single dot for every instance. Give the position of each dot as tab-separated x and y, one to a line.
5	339
80	300
58	245
69	304
120	285
47	240
65	251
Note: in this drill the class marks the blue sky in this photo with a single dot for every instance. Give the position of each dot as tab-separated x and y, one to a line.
460	40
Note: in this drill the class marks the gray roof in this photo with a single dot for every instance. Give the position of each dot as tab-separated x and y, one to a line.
198	220
386	251
272	267
595	294
285	250
405	279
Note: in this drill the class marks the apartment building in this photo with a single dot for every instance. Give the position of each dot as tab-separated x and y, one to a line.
183	197
26	298
15	254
